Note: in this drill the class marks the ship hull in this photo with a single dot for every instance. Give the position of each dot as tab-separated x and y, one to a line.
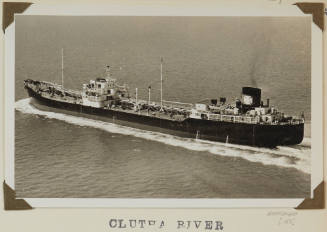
237	133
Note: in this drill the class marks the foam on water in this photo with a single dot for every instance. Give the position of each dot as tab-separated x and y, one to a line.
297	156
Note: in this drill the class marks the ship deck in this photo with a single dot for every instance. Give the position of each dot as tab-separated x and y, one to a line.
150	113
169	111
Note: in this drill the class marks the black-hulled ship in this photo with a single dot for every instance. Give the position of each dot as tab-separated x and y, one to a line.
247	121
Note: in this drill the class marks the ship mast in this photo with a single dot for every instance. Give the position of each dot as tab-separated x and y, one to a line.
136	96
161	83
62	67
149	91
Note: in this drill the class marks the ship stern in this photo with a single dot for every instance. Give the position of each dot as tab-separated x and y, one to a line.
275	135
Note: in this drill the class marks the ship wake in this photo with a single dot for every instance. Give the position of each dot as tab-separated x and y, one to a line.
297	156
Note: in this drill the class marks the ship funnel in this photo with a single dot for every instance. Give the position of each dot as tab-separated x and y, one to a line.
267	102
251	96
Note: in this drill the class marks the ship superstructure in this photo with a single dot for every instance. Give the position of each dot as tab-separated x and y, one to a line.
103	91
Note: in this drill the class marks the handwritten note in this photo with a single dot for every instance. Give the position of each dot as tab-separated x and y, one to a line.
284	217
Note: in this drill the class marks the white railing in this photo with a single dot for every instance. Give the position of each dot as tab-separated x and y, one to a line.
60	87
248	119
232	118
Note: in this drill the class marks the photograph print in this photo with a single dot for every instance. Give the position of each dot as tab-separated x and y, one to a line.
162	107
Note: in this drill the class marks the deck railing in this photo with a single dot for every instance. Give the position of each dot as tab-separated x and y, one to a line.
250	120
170	105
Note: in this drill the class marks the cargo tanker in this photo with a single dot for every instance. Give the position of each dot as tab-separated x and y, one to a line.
246	121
